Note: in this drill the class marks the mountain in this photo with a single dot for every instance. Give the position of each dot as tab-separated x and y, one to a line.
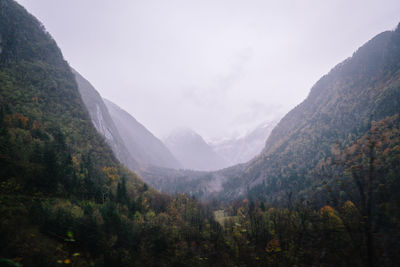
131	142
195	180
338	111
139	141
39	95
192	151
103	122
65	198
243	149
300	155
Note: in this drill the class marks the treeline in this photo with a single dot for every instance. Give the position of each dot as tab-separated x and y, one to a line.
64	198
357	187
58	208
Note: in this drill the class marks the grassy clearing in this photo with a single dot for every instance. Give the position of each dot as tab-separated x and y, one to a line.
221	217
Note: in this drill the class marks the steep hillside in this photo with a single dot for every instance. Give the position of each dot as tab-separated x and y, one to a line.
103	122
64	197
140	142
338	111
39	93
192	151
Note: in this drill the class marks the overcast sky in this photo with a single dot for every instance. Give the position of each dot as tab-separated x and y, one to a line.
219	67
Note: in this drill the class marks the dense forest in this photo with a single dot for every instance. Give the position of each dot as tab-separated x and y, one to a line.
66	200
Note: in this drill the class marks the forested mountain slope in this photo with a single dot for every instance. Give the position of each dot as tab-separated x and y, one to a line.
66	200
139	141
336	155
64	197
338	111
39	95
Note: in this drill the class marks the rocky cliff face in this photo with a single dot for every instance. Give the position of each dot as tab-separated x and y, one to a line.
103	122
139	141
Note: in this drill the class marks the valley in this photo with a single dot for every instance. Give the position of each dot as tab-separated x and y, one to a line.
84	183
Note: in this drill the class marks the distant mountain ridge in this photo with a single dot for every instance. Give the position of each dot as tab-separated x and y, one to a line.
339	110
139	141
192	151
132	143
243	149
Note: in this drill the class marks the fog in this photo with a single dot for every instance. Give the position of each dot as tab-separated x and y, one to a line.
218	67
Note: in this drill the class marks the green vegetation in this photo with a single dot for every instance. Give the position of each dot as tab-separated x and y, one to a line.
66	200
299	155
337	112
64	197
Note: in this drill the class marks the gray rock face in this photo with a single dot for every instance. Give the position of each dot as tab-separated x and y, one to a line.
139	141
103	122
